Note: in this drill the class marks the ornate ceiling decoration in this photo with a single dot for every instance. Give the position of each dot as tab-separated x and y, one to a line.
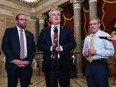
30	0
27	2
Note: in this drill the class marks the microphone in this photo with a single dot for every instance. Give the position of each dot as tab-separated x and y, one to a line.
55	30
55	41
114	29
103	37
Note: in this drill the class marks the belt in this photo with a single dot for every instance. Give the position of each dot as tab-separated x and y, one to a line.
98	60
101	59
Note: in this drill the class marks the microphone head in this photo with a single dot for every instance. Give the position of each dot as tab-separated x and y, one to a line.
55	30
113	29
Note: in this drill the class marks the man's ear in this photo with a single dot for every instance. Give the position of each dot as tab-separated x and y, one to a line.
49	19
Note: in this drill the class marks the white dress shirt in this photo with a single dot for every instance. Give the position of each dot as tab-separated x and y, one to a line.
104	48
25	41
52	37
52	32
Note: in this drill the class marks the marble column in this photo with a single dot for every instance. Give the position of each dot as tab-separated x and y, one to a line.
39	55
92	8
77	34
41	21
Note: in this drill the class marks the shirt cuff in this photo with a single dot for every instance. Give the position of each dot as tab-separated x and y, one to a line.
51	48
61	48
11	61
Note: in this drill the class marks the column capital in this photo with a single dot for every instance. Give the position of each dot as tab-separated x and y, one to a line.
31	18
41	18
90	1
76	1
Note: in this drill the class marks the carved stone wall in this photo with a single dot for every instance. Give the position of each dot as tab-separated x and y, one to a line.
2	26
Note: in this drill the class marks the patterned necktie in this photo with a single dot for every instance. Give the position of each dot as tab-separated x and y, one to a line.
90	59
55	42
21	44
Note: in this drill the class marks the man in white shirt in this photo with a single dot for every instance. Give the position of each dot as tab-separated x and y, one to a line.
97	66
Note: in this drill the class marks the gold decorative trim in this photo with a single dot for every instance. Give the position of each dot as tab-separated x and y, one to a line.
115	24
85	11
103	16
110	1
65	18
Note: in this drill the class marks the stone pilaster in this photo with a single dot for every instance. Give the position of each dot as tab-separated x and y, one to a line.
77	34
92	8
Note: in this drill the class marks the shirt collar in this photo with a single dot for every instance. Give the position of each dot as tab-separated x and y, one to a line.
97	33
55	25
18	28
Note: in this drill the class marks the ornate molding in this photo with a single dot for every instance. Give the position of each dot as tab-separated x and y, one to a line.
90	1
41	18
27	3
77	1
110	1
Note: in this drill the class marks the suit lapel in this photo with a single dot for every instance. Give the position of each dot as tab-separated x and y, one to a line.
16	40
61	34
49	34
27	39
16	34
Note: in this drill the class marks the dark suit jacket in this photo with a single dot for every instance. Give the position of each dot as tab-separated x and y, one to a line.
11	47
66	40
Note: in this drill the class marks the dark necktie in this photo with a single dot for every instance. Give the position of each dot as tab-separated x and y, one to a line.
21	44
55	42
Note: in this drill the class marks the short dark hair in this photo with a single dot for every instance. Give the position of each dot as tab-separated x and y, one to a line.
17	16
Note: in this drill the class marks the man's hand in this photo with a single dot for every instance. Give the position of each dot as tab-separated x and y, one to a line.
91	51
53	47
58	48
20	63
25	62
16	61
86	52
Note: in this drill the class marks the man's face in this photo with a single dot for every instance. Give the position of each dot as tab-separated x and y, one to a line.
21	22
94	25
55	17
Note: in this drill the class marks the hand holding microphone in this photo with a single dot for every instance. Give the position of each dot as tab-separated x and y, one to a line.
55	40
55	43
56	47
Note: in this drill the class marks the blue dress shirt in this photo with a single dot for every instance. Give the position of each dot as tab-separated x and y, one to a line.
104	48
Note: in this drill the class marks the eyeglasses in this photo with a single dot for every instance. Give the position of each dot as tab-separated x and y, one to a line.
23	19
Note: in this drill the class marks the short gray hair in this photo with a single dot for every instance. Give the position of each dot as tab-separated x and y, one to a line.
96	18
53	9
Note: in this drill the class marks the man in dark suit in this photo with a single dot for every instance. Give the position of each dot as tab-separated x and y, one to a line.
18	62
56	68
